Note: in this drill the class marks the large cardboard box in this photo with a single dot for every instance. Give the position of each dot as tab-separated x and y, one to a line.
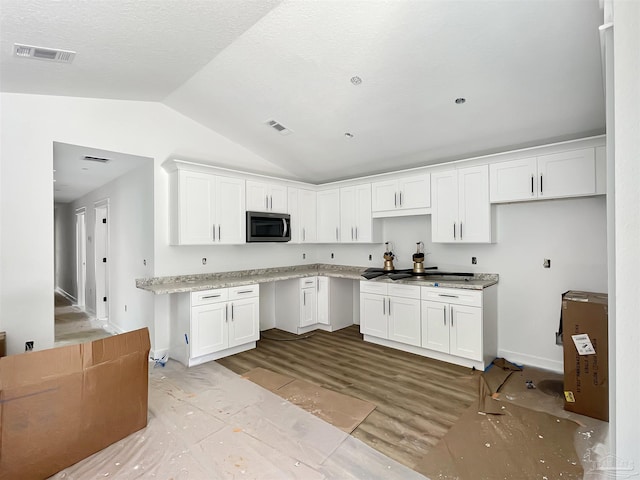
586	353
61	405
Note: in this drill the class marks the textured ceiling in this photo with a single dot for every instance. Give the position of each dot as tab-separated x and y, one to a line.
529	69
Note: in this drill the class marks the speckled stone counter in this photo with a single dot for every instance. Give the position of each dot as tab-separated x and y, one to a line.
192	283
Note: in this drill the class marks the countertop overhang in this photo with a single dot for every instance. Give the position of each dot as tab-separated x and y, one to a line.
207	281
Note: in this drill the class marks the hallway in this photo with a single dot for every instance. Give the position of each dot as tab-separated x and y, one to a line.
74	325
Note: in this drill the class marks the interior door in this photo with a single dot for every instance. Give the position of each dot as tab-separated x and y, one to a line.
101	245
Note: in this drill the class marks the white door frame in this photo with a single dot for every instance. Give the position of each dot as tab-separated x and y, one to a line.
101	249
81	256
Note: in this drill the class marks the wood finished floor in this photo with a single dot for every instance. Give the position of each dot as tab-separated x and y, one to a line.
417	399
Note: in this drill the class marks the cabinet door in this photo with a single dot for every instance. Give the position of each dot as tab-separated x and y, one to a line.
444	207
384	195
474	209
435	326
294	212
404	320
514	180
196	211
363	222
373	315
209	329
307	215
308	306
244	324
329	216
257	197
278	199
323	300
414	191
466	332
348	220
567	174
230	210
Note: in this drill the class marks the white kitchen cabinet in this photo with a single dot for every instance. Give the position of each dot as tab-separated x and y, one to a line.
565	174
206	209
389	311
356	223
409	195
455	325
461	211
211	324
328	220
302	208
452	328
266	197
310	303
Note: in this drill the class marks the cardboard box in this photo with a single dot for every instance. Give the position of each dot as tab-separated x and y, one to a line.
586	353
61	405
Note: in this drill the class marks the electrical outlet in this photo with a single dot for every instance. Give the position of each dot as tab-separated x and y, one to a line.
304	255
370	257
204	260
332	255
546	263
28	346
474	260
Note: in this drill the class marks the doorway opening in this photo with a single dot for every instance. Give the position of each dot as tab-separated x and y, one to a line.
81	257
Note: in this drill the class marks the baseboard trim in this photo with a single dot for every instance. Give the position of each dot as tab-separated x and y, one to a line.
66	295
532	361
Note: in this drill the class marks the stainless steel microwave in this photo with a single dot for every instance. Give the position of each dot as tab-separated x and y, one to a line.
268	227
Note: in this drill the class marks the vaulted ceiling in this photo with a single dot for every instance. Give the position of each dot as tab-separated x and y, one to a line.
529	70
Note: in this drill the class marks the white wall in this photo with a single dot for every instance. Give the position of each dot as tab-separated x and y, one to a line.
626	33
64	249
130	246
570	232
31	123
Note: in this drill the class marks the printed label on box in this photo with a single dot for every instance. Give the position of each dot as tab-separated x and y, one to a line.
583	344
569	397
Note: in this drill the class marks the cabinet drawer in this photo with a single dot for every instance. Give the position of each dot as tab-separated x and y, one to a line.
404	291
245	291
308	282
205	297
455	296
373	287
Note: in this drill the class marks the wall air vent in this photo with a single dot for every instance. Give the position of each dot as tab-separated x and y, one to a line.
89	158
278	127
40	53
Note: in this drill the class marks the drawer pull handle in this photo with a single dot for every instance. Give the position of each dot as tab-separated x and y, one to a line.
210	296
445	295
245	291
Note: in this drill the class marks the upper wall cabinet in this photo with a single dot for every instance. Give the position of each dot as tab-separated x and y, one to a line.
565	174
356	224
266	197
302	208
206	209
461	212
410	195
328	216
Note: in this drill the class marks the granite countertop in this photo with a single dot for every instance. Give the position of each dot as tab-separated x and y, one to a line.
192	283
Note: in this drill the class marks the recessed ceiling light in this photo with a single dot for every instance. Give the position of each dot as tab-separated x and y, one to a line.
460	100
349	135
356	80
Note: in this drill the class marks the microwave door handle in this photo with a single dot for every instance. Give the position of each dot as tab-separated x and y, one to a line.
284	222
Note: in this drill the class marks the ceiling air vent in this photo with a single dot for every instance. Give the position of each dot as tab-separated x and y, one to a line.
278	127
96	159
40	53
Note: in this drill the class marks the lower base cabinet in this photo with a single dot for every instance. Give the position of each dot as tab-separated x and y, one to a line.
454	325
311	303
212	324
